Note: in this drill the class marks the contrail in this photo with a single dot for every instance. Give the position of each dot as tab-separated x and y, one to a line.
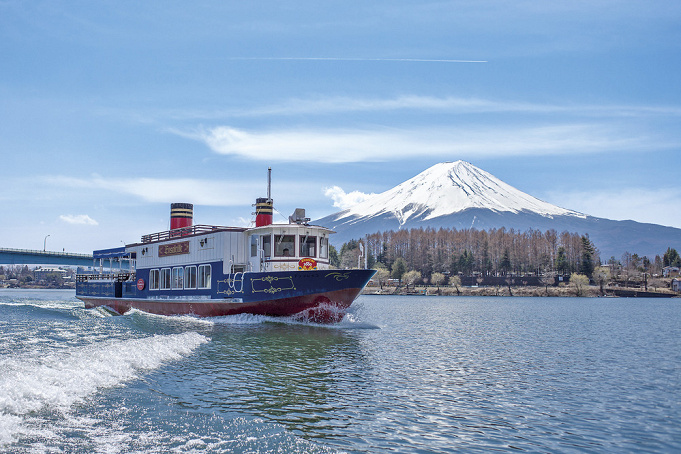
430	60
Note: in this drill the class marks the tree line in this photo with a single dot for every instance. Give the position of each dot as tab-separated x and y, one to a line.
487	252
494	252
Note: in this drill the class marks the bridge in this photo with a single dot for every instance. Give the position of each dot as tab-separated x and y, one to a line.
31	257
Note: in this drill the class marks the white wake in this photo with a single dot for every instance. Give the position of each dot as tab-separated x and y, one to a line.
55	381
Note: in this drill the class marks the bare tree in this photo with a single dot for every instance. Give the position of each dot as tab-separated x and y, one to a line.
580	282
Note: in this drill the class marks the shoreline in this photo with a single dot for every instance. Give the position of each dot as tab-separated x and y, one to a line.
529	291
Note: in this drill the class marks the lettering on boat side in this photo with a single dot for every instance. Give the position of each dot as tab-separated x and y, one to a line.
165	250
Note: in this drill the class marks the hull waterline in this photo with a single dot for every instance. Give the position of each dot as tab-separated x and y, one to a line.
321	307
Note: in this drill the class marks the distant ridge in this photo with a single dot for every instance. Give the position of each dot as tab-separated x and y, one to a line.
460	195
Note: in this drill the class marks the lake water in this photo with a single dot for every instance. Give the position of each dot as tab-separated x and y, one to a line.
398	374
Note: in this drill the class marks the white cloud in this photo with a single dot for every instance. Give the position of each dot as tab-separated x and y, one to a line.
656	206
361	145
79	219
344	200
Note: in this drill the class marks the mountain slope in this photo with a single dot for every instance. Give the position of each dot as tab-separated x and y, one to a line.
448	188
459	195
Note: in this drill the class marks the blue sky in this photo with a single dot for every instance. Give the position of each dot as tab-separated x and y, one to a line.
112	110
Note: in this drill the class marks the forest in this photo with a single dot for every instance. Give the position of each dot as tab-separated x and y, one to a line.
495	252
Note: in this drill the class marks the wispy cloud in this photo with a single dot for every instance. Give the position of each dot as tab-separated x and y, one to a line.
405	60
327	105
78	219
362	145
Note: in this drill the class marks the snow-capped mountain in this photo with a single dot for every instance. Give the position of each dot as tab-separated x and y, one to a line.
448	188
459	195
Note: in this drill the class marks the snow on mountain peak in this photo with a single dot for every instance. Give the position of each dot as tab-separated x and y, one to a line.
448	188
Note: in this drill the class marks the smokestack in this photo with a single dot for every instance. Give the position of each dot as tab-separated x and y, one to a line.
263	212
181	215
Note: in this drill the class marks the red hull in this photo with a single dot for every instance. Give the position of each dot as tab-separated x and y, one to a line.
321	307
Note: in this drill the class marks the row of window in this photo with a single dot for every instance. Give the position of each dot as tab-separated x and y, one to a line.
179	278
285	246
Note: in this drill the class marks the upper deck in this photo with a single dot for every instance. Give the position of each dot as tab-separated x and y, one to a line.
274	247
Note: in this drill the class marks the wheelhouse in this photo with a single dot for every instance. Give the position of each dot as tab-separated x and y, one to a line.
288	247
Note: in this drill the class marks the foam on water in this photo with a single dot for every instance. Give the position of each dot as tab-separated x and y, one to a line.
350	320
55	381
43	304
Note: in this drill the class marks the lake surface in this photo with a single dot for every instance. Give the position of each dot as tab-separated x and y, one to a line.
398	374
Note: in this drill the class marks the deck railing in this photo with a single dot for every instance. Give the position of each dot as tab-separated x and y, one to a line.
185	231
116	277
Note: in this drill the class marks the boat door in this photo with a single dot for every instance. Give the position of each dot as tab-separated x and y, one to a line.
255	260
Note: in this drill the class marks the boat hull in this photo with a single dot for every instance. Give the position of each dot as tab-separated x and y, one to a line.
316	296
338	300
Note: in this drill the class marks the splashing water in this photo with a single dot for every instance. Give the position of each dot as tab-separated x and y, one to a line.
57	380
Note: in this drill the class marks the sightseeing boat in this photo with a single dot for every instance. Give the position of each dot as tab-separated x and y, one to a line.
205	270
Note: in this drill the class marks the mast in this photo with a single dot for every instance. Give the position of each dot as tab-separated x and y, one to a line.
269	183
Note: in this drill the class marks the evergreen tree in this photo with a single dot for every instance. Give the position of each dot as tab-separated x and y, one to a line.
334	260
587	264
466	262
671	258
399	268
562	265
505	264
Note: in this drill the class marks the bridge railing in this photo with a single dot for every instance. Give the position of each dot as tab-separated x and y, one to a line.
50	253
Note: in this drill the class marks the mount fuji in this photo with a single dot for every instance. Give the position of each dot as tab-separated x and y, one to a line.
461	196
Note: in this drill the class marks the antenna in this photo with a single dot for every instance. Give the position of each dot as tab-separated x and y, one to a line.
269	183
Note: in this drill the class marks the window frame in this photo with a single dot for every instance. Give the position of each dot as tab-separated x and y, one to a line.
154	279
202	276
280	245
267	245
254	245
304	240
323	247
189	272
165	279
177	278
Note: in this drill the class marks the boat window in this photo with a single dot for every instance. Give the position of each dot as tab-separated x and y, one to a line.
324	248
178	278
153	280
190	277
308	246
204	276
267	245
254	245
165	279
284	245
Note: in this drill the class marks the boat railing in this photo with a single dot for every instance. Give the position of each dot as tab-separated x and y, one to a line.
184	231
114	277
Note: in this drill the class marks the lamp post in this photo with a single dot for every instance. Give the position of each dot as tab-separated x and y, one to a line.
45	243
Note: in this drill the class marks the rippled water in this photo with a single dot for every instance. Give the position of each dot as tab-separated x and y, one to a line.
399	374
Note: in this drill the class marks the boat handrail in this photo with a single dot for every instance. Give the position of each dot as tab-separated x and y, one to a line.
186	231
117	277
